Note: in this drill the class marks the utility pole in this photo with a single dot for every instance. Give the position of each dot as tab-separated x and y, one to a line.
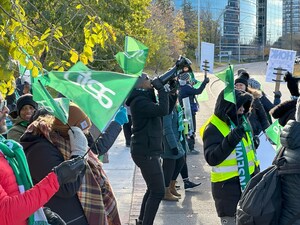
291	22
198	51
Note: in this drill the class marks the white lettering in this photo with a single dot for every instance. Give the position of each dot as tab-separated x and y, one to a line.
93	87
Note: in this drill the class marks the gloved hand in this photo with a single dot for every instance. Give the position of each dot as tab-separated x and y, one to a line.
277	94
292	84
121	116
182	62
175	151
206	80
78	141
236	135
52	217
157	84
69	170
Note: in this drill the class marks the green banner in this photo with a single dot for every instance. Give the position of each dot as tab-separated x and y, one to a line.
134	57
99	93
228	78
203	96
273	132
59	107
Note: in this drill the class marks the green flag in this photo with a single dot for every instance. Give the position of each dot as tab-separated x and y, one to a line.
99	93
203	96
273	132
227	77
59	107
133	59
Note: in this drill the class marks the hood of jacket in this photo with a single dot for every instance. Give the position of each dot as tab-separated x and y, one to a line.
225	110
140	93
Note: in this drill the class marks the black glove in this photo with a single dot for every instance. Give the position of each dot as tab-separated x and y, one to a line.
52	217
69	170
292	84
236	135
206	80
157	84
277	94
175	151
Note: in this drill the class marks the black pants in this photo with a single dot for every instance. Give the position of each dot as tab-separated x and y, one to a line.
172	168
127	130
153	175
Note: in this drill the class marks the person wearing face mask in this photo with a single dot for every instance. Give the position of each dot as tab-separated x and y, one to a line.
228	149
186	90
26	107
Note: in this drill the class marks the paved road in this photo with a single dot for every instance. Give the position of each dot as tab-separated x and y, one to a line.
196	206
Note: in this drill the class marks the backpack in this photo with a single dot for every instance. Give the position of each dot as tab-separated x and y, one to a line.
260	203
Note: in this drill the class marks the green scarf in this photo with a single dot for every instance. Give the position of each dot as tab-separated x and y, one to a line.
242	162
16	158
180	121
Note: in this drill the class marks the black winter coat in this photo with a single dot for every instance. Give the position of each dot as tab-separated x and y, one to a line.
290	139
146	115
217	148
258	117
42	156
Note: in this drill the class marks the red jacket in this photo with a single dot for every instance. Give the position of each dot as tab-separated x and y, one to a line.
15	208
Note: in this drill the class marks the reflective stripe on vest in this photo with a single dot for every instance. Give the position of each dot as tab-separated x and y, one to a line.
228	168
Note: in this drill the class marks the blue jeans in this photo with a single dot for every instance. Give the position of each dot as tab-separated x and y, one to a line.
152	173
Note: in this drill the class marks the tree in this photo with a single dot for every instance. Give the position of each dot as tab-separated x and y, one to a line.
168	34
191	28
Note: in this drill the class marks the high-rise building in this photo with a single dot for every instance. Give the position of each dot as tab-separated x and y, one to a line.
246	26
291	16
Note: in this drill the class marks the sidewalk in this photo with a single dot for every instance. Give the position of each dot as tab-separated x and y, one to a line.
196	207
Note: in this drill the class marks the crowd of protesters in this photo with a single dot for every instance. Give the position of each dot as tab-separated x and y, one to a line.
65	182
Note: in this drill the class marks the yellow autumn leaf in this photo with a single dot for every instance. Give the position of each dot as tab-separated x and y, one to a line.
79	6
91	58
29	65
74	56
61	69
88	51
35	71
44	36
84	59
51	64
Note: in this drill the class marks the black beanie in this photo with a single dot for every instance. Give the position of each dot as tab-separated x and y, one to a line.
243	77
25	100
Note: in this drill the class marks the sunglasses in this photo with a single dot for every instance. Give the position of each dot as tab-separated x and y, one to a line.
3	104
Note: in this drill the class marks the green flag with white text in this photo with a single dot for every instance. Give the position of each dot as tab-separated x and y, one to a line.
134	57
227	77
99	93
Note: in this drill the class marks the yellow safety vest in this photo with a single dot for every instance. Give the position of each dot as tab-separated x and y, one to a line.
228	168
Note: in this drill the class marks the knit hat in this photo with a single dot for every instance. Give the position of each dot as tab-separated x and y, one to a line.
184	76
243	77
76	118
25	100
254	84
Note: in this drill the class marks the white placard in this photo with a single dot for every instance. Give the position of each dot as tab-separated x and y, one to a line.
265	152
207	53
280	58
188	112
